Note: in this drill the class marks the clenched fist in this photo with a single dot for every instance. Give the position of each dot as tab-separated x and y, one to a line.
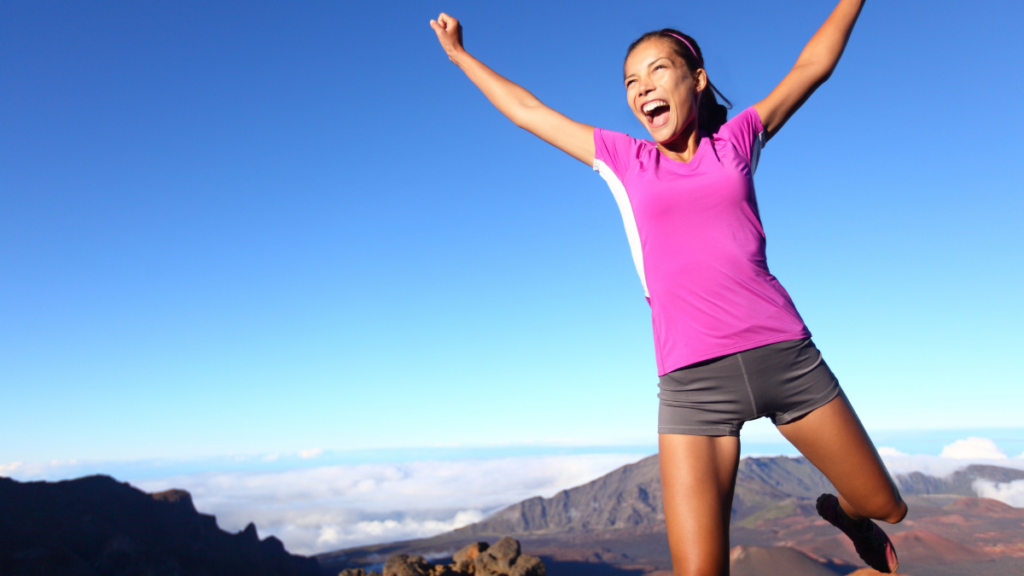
449	34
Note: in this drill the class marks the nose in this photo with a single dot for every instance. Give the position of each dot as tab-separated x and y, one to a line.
644	86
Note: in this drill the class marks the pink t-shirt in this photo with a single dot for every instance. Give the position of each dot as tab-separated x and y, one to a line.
696	238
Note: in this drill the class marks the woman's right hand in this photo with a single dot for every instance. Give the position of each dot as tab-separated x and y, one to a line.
512	100
449	34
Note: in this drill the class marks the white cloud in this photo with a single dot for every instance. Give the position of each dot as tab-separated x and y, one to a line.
973	448
954	456
309	537
330	507
310	453
8	468
38	470
1011	493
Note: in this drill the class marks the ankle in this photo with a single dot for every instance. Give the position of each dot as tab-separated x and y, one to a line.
860	524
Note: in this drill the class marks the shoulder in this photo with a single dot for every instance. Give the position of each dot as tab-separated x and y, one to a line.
742	127
612	138
618	151
745	134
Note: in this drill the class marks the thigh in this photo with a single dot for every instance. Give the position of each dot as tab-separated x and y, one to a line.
789	379
710	398
698	476
833	439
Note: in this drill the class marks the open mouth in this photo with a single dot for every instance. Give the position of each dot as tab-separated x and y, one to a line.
656	112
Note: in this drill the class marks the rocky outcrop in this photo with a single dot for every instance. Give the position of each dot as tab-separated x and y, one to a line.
96	526
504	558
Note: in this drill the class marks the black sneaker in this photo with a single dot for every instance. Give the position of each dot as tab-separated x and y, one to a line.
871	543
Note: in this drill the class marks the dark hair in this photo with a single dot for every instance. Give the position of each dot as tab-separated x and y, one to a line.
710	114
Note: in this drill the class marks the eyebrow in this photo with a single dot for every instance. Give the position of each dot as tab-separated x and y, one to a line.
649	64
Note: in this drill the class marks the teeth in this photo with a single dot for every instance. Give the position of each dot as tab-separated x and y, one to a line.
653	104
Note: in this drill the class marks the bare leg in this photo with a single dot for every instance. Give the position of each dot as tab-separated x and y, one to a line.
698	477
834	440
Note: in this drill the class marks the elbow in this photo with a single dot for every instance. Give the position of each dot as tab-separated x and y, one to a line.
817	72
522	113
821	74
518	120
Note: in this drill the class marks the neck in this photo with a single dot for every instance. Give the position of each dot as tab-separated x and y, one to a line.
685	145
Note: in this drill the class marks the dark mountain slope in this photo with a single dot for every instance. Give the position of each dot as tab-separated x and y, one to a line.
98	526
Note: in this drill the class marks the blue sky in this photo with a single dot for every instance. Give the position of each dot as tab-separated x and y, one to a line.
261	228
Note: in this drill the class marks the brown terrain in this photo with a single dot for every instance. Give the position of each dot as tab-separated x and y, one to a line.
614	526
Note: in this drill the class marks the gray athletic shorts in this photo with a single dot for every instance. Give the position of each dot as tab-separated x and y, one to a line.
784	381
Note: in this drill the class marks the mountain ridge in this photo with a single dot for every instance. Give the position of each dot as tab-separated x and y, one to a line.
95	526
630	496
616	521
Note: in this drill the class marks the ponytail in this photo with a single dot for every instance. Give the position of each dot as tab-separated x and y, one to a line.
710	113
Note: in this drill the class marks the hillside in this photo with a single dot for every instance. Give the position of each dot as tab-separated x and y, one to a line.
615	525
631	496
96	526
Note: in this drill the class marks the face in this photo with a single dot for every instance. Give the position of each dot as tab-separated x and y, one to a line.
661	90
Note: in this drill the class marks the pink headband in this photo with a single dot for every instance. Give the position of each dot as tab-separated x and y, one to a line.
687	45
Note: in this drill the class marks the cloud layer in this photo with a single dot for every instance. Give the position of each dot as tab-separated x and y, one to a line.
953	456
316	509
331	507
1011	493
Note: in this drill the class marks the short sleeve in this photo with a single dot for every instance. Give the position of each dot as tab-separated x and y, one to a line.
746	133
614	150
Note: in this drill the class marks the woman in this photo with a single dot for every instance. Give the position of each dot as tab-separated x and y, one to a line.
729	343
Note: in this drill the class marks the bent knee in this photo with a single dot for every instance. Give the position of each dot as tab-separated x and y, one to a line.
897	513
892	512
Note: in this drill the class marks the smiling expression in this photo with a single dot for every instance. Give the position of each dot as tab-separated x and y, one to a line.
662	91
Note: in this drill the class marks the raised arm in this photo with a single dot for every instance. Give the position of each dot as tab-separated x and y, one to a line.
512	100
812	68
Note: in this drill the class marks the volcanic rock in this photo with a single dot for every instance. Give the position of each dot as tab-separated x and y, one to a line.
504	558
405	565
462	561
